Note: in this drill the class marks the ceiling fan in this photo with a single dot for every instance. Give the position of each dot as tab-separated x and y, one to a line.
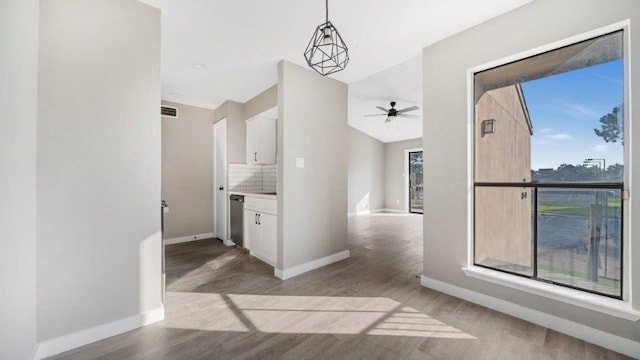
393	113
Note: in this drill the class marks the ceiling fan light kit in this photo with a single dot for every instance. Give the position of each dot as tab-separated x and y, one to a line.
326	52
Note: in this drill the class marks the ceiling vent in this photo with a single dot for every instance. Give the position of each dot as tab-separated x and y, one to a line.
169	111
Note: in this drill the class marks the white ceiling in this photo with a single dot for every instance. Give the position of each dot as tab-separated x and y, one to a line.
241	41
401	83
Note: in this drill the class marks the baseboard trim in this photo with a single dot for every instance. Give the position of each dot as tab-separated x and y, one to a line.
601	338
365	212
184	239
311	265
71	341
395	211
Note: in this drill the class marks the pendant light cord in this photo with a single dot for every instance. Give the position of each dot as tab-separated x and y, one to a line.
327	10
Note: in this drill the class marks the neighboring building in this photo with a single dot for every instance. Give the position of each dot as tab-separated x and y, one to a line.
503	215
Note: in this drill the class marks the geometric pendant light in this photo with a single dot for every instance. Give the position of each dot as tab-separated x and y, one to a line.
327	53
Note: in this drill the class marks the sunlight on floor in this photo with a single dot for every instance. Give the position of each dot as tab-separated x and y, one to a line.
303	315
213	264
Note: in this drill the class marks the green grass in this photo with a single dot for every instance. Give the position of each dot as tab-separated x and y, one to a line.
613	209
577	274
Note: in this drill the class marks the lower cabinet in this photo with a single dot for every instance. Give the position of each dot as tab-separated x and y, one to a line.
260	235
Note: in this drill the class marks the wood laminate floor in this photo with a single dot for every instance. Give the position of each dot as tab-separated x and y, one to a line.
224	304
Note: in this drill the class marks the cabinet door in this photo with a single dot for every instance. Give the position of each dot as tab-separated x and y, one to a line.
251	231
269	236
253	134
267	141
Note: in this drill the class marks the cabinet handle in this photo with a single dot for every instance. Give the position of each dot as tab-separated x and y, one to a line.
259	223
255	219
255	156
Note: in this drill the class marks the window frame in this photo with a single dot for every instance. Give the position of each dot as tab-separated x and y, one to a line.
485	273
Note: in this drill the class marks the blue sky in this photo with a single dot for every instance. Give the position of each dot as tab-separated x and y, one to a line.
564	110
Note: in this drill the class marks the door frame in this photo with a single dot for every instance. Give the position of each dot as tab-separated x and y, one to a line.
222	127
407	178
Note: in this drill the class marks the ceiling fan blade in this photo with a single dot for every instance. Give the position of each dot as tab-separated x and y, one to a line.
388	120
410	108
381	108
374	115
409	116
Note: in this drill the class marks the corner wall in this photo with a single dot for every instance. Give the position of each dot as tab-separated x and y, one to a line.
446	147
98	181
18	130
366	173
187	171
312	201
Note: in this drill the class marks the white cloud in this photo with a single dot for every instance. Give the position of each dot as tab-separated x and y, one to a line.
600	148
545	131
561	136
579	111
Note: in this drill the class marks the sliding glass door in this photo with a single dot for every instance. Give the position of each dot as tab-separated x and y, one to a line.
416	193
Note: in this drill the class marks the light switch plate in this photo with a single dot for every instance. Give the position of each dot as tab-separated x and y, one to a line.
300	163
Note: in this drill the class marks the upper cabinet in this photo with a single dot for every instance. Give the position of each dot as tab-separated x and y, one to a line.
261	141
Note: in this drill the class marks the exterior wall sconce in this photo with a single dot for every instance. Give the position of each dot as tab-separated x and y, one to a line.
488	126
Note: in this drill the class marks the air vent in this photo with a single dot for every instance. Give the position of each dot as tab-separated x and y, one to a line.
168	111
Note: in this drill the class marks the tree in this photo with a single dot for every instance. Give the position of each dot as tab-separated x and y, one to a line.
612	126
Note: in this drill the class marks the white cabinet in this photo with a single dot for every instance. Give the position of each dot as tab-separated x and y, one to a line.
251	231
261	141
260	228
268	237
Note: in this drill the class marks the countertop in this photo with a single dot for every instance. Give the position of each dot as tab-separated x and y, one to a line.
257	194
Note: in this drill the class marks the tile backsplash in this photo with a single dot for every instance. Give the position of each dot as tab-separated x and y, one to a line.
243	177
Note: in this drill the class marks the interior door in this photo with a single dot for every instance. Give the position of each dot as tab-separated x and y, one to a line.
416	190
221	200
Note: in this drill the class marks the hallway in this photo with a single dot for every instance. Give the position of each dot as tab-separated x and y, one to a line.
224	304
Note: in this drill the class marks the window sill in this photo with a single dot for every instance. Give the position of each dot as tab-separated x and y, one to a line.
613	307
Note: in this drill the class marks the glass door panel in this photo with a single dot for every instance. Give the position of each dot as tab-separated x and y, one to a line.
416	192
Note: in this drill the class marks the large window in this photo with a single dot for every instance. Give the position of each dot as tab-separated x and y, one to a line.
549	166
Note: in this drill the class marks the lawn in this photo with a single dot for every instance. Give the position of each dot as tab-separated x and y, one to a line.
576	274
613	209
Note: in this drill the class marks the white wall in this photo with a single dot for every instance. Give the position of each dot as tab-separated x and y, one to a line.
236	130
366	173
312	201
98	248
445	144
18	121
260	103
395	178
187	171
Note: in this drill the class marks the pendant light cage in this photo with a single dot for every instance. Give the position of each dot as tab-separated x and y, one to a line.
326	52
